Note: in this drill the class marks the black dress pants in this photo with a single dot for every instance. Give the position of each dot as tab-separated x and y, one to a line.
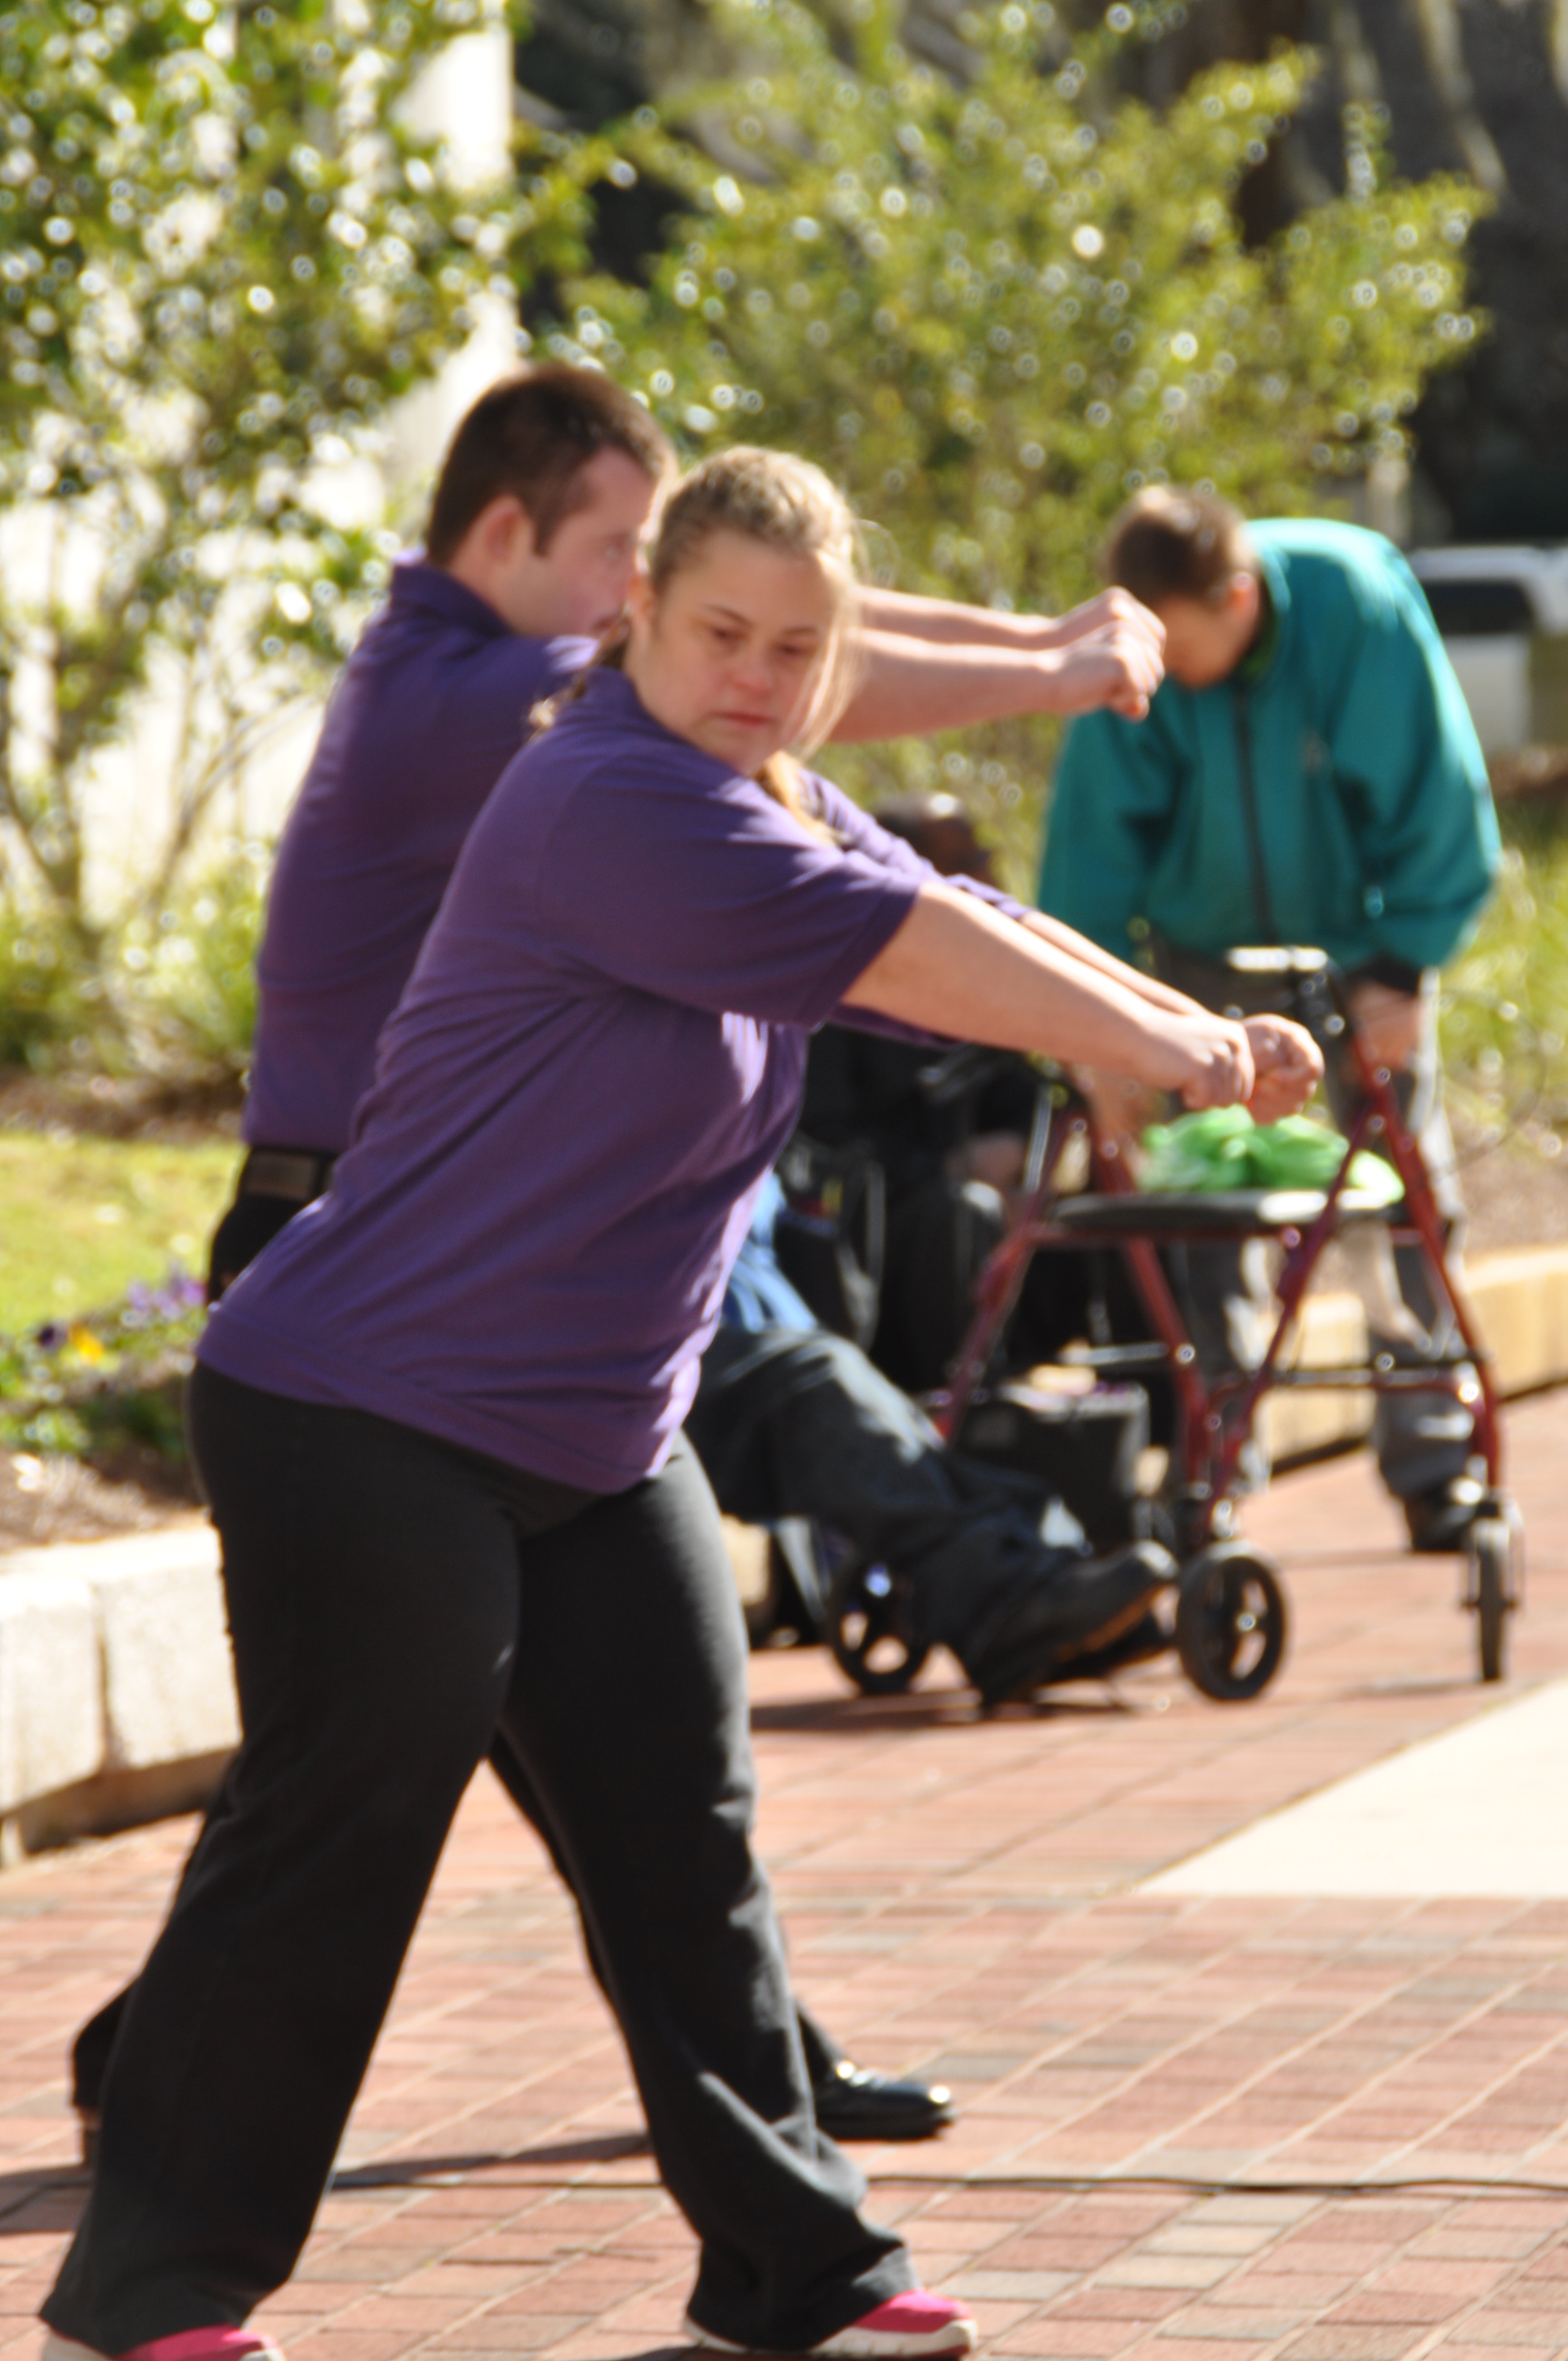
799	1424
391	1600
250	1224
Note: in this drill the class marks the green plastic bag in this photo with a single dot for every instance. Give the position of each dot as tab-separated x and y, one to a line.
1222	1148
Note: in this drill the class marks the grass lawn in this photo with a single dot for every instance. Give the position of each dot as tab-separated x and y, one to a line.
80	1218
1505	1036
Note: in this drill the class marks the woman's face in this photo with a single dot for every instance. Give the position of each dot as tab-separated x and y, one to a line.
730	653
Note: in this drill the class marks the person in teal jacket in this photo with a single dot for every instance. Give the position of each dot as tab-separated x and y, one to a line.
1309	773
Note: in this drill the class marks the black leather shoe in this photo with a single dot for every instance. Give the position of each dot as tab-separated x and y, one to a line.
1148	1637
1440	1519
855	2102
1050	1627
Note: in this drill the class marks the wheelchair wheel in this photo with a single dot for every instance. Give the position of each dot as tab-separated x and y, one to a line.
871	1629
1492	1591
1231	1622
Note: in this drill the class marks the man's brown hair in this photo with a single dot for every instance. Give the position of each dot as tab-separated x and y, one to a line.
533	435
1171	544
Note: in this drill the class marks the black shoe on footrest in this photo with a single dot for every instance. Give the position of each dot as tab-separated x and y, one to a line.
856	2102
1052	1626
1440	1521
1148	1637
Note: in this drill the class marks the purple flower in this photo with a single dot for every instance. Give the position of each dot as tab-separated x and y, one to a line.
50	1337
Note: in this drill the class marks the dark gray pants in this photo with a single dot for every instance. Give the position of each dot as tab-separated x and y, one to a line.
1422	1440
792	1424
391	1600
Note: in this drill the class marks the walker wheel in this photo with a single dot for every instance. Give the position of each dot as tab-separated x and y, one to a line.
1231	1622
871	1628
1492	1593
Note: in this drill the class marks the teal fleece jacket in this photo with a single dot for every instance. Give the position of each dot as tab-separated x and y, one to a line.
1332	792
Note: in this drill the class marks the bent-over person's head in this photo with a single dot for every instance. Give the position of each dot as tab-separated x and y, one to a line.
1187	557
744	633
545	496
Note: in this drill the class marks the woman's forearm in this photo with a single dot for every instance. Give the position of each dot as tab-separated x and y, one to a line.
957	967
1079	947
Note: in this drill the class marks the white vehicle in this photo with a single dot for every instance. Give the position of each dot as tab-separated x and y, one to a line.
1503	613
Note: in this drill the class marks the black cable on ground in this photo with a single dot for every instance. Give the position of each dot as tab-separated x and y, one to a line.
393	2176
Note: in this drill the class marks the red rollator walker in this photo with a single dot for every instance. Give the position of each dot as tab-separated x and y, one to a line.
1231	1614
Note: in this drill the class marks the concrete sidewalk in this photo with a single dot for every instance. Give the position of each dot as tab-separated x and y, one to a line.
1376	2087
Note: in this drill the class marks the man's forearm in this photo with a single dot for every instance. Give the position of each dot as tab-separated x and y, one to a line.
947	622
909	687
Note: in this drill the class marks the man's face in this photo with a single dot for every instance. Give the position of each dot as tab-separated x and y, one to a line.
576	588
1204	640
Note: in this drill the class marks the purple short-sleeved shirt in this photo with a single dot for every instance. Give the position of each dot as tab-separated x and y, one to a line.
597	1060
432	707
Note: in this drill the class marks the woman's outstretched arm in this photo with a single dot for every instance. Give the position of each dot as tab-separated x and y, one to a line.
957	967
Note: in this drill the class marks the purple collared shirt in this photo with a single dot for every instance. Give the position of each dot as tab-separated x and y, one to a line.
433	705
598	1059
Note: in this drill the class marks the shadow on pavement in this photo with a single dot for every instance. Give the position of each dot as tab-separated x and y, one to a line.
923	1709
403	2171
51	2197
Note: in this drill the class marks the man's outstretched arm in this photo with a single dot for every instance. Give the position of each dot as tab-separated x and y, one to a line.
912	685
947	621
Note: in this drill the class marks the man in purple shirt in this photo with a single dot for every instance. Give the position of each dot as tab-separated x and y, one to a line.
532	545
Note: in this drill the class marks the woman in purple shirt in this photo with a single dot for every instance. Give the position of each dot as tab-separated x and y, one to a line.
438	1424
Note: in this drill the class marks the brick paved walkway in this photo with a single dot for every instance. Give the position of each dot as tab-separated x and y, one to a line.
960	1898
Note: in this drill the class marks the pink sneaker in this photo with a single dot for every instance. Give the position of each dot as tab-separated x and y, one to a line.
190	2344
913	2327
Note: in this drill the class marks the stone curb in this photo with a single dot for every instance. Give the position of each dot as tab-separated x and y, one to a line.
116	1685
1521	1299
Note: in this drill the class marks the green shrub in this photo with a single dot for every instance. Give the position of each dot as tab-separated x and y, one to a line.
1505	1020
51	997
993	308
224	251
188	982
172	997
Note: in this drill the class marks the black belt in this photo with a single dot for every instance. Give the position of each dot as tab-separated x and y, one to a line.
299	1175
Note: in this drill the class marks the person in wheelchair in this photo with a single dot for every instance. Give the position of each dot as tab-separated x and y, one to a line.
792	1421
1309	774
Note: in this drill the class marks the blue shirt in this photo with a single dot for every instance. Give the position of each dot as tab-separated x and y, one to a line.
759	1295
433	705
593	1069
1368	831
